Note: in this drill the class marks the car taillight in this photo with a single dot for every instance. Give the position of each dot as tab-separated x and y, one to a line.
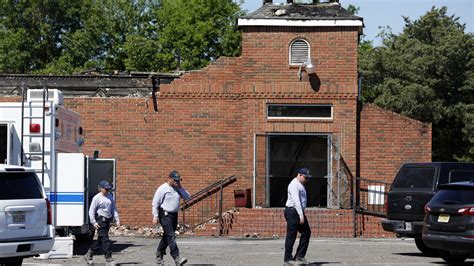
466	211
50	214
427	209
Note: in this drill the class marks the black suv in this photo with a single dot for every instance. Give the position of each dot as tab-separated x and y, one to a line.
412	188
449	221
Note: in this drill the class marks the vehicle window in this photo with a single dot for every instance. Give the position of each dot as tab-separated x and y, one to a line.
461	175
463	196
415	178
19	186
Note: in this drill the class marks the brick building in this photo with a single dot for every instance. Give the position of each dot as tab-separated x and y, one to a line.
290	100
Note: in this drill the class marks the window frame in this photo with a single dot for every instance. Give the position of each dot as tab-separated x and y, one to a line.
298	118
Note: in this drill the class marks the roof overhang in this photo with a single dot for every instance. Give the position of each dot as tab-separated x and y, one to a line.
300	23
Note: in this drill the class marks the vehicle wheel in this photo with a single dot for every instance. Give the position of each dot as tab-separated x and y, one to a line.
87	237
453	257
11	261
430	252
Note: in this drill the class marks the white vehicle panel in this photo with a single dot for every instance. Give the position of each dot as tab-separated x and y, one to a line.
23	214
69	196
23	218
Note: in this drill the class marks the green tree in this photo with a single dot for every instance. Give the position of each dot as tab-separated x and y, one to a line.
196	32
31	32
100	42
64	37
353	9
426	73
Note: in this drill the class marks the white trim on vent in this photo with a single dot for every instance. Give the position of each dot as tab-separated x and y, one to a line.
298	53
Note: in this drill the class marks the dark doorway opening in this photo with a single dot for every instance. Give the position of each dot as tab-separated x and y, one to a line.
288	153
3	143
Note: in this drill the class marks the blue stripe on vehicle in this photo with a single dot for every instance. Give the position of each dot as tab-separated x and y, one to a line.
69	198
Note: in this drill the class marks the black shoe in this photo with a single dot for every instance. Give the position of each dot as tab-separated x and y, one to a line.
180	261
108	258
301	260
88	257
159	259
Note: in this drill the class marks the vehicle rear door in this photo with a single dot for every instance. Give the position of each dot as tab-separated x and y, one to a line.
23	209
412	188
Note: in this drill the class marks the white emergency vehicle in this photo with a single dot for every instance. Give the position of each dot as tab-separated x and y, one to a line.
42	134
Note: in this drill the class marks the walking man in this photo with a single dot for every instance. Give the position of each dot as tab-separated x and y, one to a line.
165	211
296	219
101	213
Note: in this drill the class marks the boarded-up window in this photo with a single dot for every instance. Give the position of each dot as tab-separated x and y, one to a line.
299	52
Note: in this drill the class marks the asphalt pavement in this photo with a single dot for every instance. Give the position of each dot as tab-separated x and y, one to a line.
137	250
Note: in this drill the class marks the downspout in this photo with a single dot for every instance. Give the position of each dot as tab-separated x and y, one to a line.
155	84
355	182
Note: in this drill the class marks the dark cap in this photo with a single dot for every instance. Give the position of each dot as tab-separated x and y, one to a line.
105	184
305	172
175	175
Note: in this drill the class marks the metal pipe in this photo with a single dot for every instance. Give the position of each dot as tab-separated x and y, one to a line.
220	209
23	92
45	96
354	213
254	183
338	154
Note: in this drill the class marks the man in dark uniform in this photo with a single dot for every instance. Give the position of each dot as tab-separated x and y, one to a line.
165	211
101	213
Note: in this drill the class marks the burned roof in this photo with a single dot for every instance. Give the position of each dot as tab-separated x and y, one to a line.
322	11
135	84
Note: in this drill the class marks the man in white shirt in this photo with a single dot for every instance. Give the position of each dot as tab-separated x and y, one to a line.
295	218
101	213
165	211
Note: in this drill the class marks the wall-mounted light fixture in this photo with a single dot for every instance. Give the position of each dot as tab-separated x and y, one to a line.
308	67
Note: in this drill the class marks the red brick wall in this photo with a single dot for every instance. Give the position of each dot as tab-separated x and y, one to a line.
263	75
333	51
10	99
388	140
120	129
270	223
199	138
207	121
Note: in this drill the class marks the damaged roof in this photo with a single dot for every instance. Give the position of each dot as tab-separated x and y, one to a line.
321	11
